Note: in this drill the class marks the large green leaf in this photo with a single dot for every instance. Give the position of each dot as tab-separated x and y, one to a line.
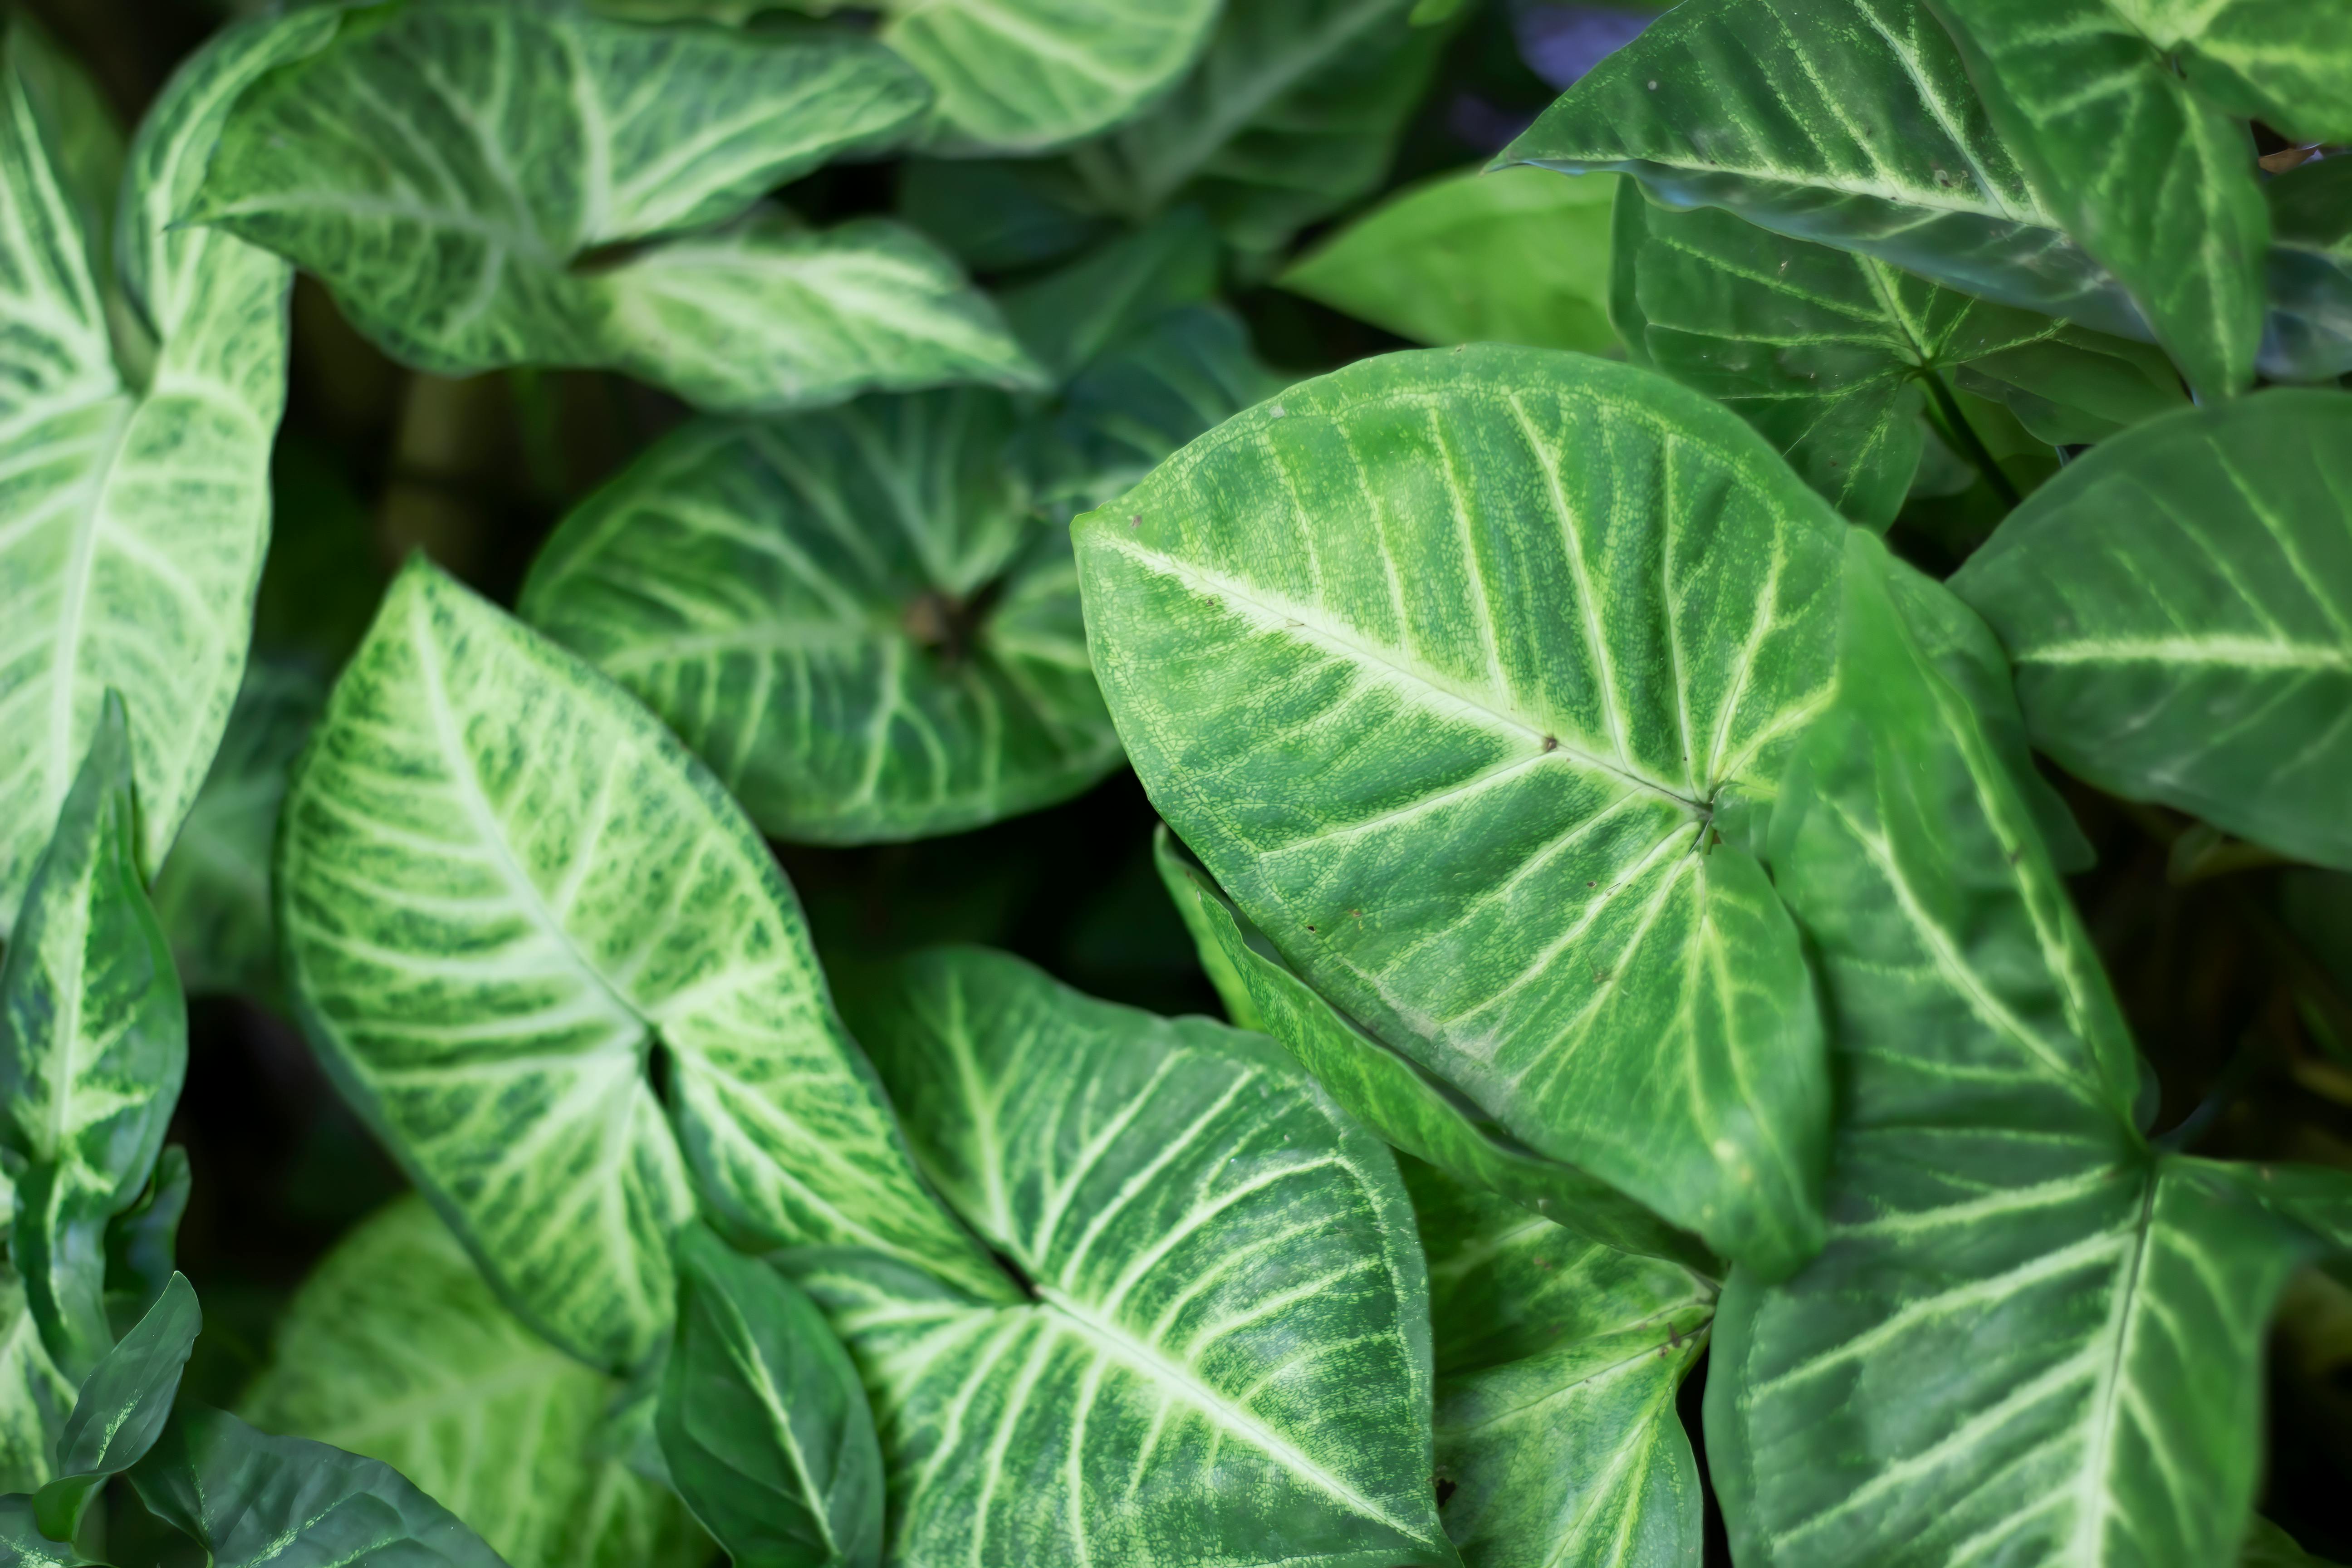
93	1047
1558	1360
763	1426
1849	122
395	1348
2178	603
2028	1339
856	618
484	185
1449	666
136	499
1509	257
2154	182
1389	1094
122	1407
501	885
1224	1359
2309	334
2287	65
34	1397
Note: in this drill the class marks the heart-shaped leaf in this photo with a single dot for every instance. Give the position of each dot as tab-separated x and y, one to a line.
1465	673
1224	1356
500	882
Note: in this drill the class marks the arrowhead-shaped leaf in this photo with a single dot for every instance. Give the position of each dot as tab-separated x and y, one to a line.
499	883
137	496
1462	672
2179	605
856	618
123	1404
1225	1356
395	1348
93	1047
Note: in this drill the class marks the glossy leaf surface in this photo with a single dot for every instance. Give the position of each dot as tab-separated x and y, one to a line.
93	1047
395	1348
1442	664
1226	1355
855	618
2179	605
1510	257
762	1422
137	509
500	881
122	1407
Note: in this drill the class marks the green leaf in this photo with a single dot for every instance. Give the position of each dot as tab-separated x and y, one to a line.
857	619
2076	386
2287	65
2027	1339
122	1407
994	215
35	1398
1847	122
2089	106
251	1500
1833	354
1224	1357
82	141
765	1428
2268	1546
1294	111
483	186
1444	665
22	1541
137	508
1511	256
2309	335
1392	1095
213	892
501	885
395	1348
1024	76
2178	603
1071	315
143	1242
93	1047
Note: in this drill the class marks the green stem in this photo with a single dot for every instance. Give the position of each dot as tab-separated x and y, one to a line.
1963	434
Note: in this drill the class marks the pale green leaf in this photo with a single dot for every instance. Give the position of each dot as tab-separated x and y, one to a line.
93	1047
121	1409
1390	1094
856	618
2155	183
137	509
1445	666
2309	333
1070	316
1224	1359
501	885
395	1348
2287	63
34	1397
83	144
1511	256
2178	603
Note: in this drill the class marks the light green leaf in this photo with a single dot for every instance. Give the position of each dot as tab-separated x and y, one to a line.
2309	334
2178	603
857	619
1445	666
213	893
2285	64
35	1397
2027	1340
1511	256
1224	1359
1294	111
2090	108
93	1047
395	1348
1074	312
501	885
1390	1094
460	176
121	1410
137	508
83	145
764	1427
1847	122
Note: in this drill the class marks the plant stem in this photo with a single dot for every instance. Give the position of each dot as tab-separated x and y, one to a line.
1964	435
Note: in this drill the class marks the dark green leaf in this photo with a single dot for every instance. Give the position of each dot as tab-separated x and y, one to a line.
762	1422
22	1543
143	1242
1200	906
996	215
2286	63
2310	330
2076	386
2268	1546
123	1405
1071	315
2178	603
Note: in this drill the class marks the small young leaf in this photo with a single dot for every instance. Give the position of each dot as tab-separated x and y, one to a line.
123	1405
762	1420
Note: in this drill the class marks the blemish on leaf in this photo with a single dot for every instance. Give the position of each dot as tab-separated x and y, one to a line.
1551	743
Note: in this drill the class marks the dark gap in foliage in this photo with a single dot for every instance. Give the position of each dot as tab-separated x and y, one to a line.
1690	1407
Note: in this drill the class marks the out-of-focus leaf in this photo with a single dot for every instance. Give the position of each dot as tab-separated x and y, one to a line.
1511	256
997	215
1562	43
2268	1546
2287	63
143	1242
22	1541
123	1404
2308	336
1070	316
2076	386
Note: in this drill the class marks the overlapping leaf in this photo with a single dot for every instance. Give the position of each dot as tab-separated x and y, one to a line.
2179	605
35	1397
485	185
394	1349
1225	1354
499	883
136	495
122	1407
1070	316
1462	672
2286	65
856	618
2309	333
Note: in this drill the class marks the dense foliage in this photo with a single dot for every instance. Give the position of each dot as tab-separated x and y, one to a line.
1768	808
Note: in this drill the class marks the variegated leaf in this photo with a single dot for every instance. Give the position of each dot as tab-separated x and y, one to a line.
2287	65
34	1397
501	886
